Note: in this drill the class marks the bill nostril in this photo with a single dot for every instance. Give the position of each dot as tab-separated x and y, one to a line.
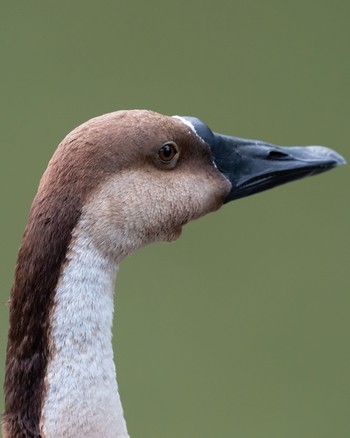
277	155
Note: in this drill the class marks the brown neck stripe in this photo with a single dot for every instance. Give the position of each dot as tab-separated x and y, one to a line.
39	263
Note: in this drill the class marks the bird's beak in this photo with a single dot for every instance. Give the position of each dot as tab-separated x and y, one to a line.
253	166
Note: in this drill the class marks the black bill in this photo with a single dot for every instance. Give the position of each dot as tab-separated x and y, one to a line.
253	166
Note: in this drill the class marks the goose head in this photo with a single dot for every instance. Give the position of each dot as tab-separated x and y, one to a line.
138	176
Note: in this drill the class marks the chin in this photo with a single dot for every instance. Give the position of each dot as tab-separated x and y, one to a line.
174	235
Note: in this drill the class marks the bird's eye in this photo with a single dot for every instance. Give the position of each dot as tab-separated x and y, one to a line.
168	152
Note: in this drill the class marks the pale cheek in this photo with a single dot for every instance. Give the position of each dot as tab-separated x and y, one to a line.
132	211
190	198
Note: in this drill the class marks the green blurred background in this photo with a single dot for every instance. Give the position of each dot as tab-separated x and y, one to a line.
241	328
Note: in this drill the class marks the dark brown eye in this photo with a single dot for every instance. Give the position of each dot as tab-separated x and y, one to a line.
167	152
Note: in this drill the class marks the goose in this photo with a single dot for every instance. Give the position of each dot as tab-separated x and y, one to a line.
116	183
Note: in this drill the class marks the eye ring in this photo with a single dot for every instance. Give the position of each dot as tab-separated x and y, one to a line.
168	152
